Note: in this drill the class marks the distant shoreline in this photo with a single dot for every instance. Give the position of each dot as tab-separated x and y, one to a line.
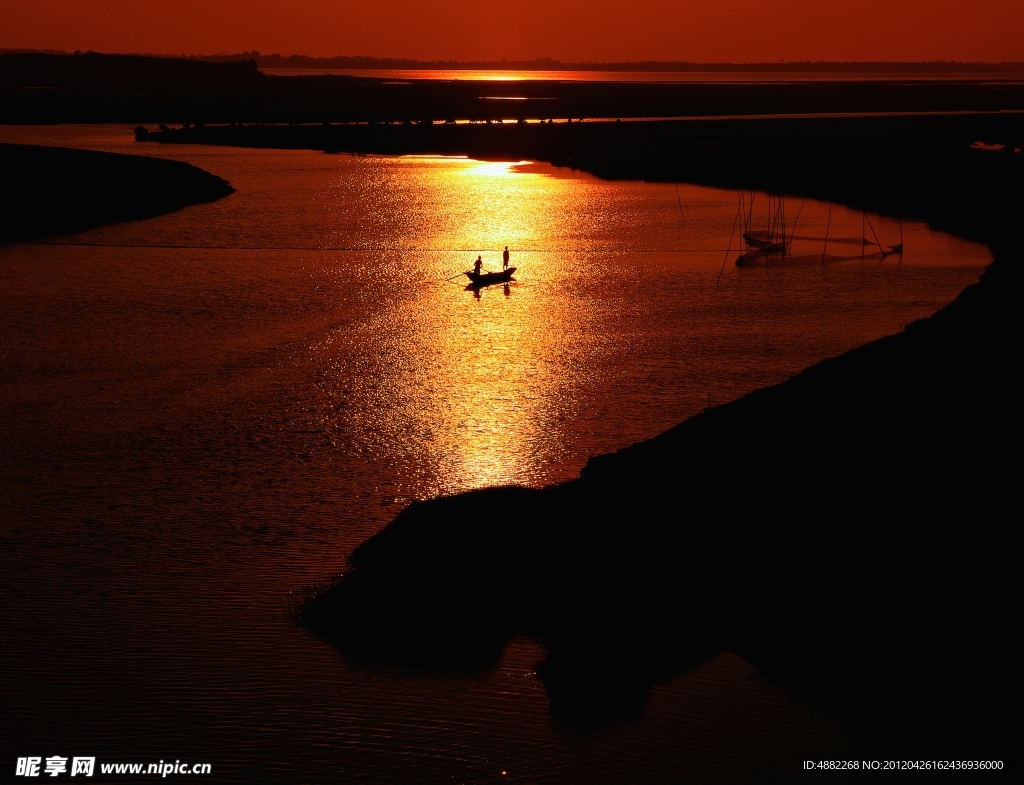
46	88
548	64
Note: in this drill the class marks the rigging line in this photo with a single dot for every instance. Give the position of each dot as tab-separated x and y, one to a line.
782	225
680	203
779	216
793	233
739	211
827	225
877	241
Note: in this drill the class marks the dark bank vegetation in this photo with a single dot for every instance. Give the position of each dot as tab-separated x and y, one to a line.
51	88
848	531
663	66
358	62
54	190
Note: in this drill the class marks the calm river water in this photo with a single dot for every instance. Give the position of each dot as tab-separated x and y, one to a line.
201	415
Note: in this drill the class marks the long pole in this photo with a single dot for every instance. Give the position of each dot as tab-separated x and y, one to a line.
829	224
873	232
782	211
796	220
732	234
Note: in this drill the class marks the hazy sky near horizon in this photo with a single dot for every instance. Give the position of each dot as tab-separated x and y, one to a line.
569	30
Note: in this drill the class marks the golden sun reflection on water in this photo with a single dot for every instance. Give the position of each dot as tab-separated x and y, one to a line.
616	326
500	394
485	382
496	169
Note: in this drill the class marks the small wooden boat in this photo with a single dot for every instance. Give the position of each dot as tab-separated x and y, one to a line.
773	245
765	241
486	279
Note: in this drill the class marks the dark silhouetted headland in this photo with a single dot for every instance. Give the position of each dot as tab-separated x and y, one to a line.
54	190
847	531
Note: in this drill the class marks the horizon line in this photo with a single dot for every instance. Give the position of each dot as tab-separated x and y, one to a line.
366	62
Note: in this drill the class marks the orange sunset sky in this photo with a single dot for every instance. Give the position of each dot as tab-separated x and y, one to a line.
569	30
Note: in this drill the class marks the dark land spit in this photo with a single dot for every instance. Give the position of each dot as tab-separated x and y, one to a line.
847	531
50	88
55	190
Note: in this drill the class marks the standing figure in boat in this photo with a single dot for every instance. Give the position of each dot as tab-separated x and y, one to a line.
478	264
504	259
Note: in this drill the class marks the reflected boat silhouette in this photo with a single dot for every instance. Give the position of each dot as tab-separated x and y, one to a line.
761	257
477	280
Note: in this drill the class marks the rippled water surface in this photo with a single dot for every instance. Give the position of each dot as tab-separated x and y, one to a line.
201	415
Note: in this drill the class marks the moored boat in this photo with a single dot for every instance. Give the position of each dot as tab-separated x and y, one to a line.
774	244
765	241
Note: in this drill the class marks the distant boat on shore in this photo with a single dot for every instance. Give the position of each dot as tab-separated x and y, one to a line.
764	241
772	245
771	241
